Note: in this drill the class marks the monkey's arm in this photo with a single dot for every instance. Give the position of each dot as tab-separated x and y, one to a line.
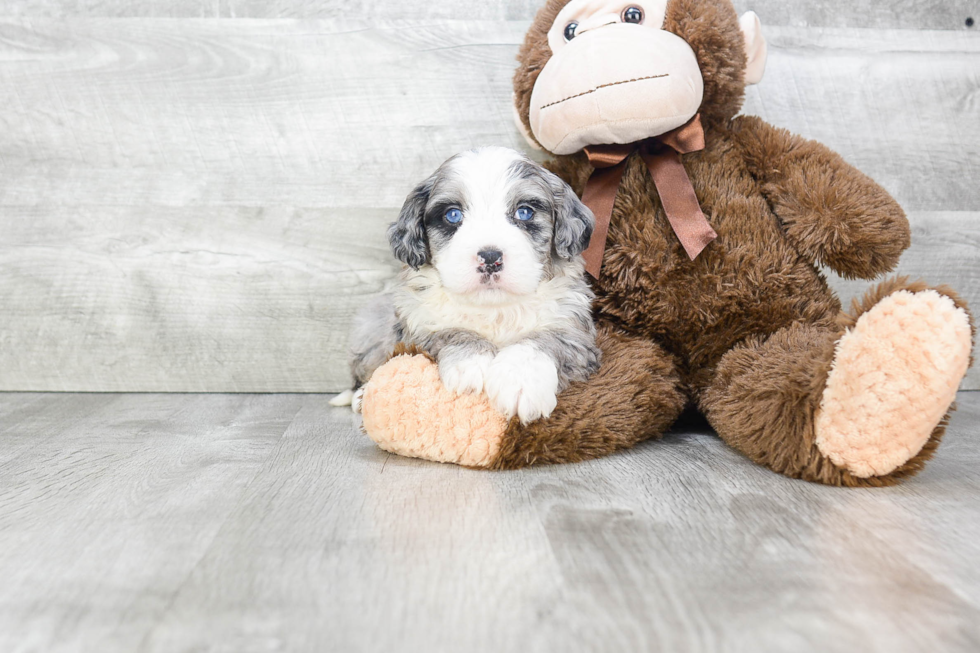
836	215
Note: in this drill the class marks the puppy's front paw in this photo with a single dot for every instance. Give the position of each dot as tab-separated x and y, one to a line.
462	373
523	382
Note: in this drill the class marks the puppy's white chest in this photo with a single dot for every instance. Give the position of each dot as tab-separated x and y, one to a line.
424	307
501	325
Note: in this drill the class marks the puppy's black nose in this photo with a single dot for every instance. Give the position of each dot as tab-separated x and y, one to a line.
491	260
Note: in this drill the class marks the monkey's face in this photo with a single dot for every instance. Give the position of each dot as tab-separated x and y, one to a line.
615	76
621	71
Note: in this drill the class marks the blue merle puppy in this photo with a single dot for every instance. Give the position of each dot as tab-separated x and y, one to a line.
493	286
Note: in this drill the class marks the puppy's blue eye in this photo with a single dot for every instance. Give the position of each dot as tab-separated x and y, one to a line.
525	213
570	30
454	216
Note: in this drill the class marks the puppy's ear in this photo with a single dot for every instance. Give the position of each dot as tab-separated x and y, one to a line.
406	235
574	221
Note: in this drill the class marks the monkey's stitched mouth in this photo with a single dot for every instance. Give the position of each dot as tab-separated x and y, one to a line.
599	88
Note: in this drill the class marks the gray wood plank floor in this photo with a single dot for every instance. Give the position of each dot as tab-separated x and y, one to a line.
266	523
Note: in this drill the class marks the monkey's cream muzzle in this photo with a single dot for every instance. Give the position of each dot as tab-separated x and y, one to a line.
615	84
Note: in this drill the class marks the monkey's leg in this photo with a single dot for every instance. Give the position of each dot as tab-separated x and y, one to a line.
634	396
863	408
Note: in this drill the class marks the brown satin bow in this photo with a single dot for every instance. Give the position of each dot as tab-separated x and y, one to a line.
663	158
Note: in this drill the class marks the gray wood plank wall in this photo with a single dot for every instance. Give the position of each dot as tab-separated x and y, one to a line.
191	204
905	14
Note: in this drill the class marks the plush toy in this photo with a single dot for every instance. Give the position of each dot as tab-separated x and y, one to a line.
709	231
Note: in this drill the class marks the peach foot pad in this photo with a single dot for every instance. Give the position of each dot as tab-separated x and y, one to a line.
895	376
407	411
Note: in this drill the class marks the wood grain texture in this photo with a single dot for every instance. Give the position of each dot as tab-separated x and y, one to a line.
898	14
905	14
269	523
199	205
240	299
91	529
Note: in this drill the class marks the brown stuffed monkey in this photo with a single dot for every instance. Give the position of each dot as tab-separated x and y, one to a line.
710	230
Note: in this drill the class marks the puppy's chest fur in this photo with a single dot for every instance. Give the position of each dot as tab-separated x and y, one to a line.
424	307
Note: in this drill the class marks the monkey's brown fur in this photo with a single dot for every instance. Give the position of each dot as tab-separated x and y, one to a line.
747	332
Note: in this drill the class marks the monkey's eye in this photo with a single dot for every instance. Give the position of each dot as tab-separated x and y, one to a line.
570	30
454	216
524	213
633	15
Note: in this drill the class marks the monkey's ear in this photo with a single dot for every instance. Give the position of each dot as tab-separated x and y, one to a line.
407	235
756	49
520	126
